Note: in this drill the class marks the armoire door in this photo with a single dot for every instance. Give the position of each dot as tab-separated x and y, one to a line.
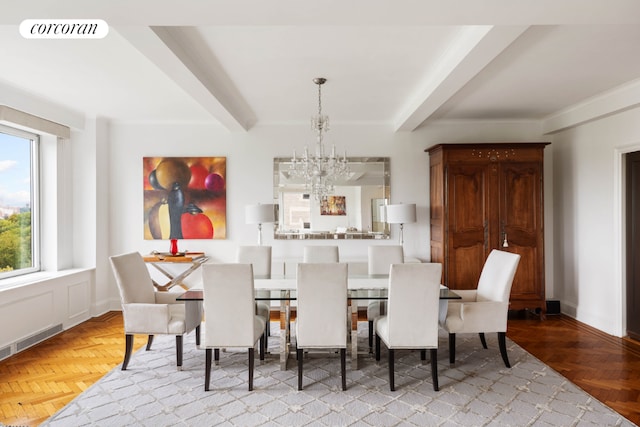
467	227
520	229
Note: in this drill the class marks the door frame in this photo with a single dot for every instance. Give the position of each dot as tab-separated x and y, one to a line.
620	238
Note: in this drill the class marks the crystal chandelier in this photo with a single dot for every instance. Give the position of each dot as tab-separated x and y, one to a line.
319	171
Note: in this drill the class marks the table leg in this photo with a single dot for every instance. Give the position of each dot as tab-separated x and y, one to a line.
176	280
285	331
442	310
354	334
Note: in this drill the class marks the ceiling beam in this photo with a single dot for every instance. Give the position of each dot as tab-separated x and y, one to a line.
605	104
473	50
182	55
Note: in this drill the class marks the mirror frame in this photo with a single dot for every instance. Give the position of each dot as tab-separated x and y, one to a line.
385	184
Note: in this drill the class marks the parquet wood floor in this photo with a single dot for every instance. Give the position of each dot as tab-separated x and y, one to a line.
36	383
606	367
39	381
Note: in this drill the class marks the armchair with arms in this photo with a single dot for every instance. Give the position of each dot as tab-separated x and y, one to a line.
484	309
148	312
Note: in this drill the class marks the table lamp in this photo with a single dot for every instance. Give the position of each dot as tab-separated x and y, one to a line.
401	214
259	214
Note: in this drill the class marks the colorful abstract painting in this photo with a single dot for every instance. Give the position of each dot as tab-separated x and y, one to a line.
333	205
185	197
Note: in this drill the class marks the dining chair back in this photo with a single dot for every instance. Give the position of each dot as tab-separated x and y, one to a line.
229	308
260	258
411	321
321	318
497	276
484	309
379	260
146	311
320	254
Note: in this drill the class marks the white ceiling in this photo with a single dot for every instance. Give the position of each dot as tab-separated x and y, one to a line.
404	62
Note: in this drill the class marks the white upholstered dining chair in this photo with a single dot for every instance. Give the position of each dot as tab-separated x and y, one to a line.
322	253
260	258
379	260
148	312
411	321
485	309
321	318
230	318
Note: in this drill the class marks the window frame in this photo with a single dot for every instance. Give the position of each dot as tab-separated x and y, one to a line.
35	143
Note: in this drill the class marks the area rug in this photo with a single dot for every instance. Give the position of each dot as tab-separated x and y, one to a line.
477	391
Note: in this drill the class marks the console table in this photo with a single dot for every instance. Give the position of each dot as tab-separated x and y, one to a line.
193	261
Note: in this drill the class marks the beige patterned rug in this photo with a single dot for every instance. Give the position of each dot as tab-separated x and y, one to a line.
477	391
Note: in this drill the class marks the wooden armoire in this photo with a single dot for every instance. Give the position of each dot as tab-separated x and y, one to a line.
485	197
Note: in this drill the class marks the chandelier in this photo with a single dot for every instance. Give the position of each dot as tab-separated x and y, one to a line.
319	171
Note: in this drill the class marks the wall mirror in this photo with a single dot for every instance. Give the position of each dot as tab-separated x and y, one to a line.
352	211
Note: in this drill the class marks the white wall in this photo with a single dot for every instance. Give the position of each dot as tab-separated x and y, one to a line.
99	208
249	175
589	279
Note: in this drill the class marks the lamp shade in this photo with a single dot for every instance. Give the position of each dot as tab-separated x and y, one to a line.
259	214
401	214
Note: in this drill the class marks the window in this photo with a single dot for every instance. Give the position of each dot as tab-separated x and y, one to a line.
19	232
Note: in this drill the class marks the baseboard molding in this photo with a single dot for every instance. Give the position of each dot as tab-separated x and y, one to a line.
5	352
29	341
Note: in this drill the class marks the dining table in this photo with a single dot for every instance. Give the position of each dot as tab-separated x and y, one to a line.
359	287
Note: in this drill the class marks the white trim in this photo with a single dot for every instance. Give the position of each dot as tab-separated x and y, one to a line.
619	237
33	123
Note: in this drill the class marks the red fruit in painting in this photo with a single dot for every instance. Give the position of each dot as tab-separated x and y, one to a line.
198	175
196	226
214	182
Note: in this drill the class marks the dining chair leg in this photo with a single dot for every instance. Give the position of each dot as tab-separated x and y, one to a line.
503	348
483	340
216	355
128	347
251	363
267	332
392	384
198	335
299	356
377	348
343	367
263	345
370	335
207	369
149	342
434	368
179	346
452	348
423	354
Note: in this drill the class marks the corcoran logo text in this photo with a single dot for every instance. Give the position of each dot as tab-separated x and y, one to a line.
64	29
